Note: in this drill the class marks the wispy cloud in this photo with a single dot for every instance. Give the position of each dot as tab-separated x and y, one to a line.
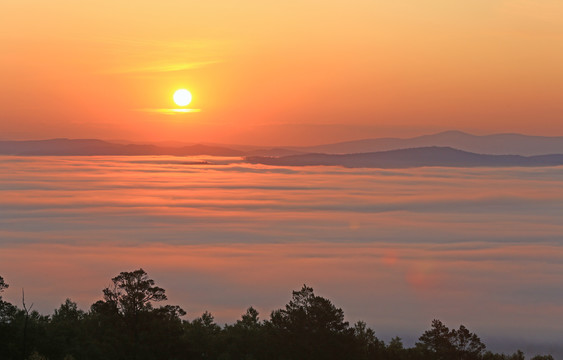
133	55
165	67
170	111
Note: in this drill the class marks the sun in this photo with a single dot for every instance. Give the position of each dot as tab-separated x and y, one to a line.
182	97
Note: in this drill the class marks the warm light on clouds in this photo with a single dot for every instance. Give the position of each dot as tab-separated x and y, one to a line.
171	111
393	247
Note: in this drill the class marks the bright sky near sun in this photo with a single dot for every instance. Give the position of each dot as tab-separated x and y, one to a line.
279	72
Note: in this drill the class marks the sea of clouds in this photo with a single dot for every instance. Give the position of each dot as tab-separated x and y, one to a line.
397	248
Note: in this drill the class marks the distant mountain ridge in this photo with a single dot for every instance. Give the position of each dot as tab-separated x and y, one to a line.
90	147
496	144
409	158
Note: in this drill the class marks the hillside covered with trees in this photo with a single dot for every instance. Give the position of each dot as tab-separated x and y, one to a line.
127	325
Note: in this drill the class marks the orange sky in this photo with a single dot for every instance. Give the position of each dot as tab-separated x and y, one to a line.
291	72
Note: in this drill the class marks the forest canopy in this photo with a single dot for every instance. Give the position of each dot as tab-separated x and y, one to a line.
129	324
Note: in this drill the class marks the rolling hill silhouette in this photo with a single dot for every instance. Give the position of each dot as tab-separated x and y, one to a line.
407	158
496	144
451	148
88	147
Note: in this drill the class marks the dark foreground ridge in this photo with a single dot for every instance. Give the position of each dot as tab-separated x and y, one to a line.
126	324
410	158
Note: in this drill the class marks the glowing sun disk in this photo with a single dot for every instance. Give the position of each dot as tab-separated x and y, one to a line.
182	97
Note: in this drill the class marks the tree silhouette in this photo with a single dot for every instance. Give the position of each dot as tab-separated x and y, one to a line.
66	329
441	343
249	320
132	295
202	337
437	341
314	327
368	346
247	338
7	310
306	311
3	286
126	325
10	344
133	292
467	344
542	357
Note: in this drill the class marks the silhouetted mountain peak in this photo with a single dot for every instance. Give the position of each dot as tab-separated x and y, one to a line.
496	144
412	157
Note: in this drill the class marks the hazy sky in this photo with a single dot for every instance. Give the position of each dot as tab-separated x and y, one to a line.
279	72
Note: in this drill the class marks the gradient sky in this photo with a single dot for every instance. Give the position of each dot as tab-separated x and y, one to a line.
291	72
